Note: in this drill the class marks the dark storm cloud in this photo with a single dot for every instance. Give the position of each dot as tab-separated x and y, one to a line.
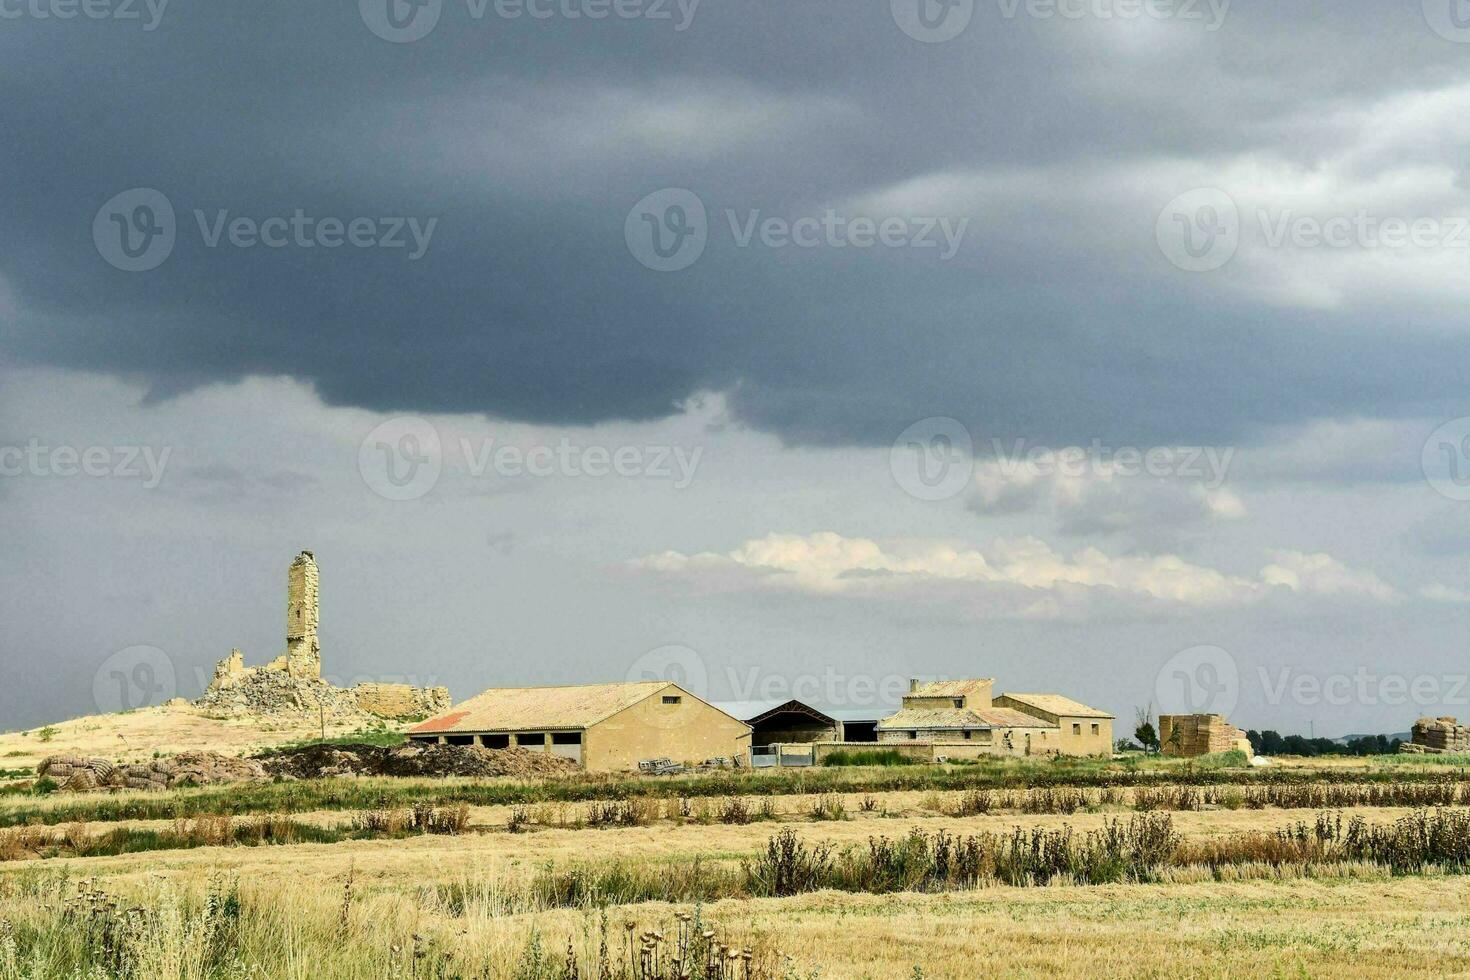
527	142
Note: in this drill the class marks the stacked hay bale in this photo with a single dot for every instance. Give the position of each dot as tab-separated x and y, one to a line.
1438	736
77	774
82	775
1187	736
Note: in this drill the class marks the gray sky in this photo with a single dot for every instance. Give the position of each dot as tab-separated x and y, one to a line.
252	251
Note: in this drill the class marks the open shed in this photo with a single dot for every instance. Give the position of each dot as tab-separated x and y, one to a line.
784	722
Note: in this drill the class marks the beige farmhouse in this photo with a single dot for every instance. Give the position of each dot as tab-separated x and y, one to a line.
605	727
966	718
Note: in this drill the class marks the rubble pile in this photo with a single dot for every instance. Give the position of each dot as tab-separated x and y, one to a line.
79	774
272	692
324	761
240	691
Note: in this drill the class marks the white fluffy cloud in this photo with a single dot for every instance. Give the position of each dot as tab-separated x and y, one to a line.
826	563
1321	574
1095	494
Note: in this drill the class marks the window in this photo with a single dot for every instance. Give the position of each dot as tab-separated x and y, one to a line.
495	741
1076	729
672	699
912	734
566	738
959	702
531	738
968	734
460	740
1095	729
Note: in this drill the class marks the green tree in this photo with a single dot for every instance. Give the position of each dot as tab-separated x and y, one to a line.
1145	733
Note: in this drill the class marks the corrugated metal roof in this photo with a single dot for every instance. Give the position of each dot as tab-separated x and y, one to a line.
861	714
962	718
748	711
515	709
1058	705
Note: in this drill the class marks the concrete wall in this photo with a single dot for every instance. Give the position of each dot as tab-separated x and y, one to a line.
1011	742
923	752
690	731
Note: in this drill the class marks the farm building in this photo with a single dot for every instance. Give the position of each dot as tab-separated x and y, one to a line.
605	727
783	721
793	722
1082	730
964	714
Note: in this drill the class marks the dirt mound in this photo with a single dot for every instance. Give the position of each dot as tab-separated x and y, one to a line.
79	774
322	761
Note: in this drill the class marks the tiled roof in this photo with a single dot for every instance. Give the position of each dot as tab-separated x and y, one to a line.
953	689
955	718
504	709
1057	705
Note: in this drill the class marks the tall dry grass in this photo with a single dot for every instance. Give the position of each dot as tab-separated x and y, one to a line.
53	927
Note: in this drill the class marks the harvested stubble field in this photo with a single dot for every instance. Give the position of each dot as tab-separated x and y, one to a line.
860	883
308	796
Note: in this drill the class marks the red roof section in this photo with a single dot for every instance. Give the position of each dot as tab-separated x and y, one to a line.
441	724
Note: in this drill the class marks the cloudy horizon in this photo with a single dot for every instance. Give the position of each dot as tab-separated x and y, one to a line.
1112	349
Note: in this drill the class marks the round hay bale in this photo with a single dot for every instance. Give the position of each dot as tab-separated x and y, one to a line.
81	781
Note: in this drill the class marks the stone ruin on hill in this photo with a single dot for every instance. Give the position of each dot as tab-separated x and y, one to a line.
292	683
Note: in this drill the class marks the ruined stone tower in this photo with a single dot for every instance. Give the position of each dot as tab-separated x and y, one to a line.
303	652
292	683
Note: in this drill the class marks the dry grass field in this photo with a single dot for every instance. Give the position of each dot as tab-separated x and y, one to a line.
654	886
136	736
